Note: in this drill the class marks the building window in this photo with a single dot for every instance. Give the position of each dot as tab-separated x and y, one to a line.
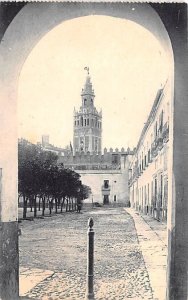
161	121
114	159
106	184
84	122
85	101
96	144
152	193
87	143
145	161
88	122
155	193
99	144
75	123
155	130
76	142
78	122
161	191
149	156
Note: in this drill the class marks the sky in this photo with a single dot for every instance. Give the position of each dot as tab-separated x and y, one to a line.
127	67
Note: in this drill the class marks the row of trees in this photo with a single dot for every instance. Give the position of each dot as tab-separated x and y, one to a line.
42	181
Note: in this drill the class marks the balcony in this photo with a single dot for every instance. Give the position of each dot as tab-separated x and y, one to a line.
159	141
104	188
154	150
130	181
165	132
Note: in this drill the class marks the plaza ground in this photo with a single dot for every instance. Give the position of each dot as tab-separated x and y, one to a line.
130	256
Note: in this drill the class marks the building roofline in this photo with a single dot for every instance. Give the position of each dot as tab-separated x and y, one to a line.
152	113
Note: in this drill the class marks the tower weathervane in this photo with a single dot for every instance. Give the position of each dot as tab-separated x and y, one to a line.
87	69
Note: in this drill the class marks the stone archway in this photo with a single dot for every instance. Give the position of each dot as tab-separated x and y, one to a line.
27	27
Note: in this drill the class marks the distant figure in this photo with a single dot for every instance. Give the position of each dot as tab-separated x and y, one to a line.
79	206
114	200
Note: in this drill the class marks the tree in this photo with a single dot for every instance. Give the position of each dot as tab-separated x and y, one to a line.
41	177
33	163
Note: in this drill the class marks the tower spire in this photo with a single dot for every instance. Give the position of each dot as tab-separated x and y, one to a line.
87	91
87	121
87	69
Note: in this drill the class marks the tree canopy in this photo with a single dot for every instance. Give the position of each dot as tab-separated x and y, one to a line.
40	175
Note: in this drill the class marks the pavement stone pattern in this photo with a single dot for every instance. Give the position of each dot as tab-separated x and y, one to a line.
58	244
29	278
152	237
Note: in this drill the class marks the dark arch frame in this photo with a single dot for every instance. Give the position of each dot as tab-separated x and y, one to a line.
174	18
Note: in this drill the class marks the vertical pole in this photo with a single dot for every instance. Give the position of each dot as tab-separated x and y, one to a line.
90	261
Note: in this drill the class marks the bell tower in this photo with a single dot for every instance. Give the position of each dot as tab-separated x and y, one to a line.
87	122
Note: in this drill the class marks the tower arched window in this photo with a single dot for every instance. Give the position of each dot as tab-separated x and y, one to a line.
85	101
82	121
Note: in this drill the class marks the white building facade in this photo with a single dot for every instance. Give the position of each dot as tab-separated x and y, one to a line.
148	173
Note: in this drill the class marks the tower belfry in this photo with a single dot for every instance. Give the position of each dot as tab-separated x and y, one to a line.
87	122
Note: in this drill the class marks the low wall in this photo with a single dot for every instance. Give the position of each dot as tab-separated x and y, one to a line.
118	182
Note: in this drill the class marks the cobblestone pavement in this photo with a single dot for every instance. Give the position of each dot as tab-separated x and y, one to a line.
59	244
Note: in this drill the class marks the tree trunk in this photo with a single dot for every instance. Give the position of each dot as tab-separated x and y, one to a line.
35	206
43	205
39	202
59	203
62	204
56	205
67	205
47	203
50	206
31	204
72	204
24	207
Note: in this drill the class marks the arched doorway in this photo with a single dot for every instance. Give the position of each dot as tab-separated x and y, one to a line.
23	32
